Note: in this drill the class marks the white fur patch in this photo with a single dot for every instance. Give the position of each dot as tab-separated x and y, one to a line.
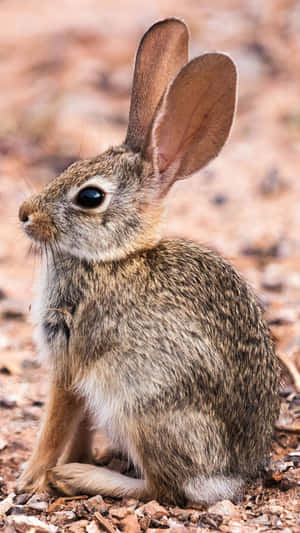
105	402
38	310
213	489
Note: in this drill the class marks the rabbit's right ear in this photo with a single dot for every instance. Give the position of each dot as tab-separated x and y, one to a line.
193	119
163	50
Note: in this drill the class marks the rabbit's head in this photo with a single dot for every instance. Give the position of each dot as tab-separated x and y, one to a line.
180	117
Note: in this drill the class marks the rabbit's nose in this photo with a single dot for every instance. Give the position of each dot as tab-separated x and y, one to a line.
24	213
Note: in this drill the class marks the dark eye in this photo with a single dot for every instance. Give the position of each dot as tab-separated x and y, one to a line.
90	197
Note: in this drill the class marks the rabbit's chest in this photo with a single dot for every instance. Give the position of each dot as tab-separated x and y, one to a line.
52	316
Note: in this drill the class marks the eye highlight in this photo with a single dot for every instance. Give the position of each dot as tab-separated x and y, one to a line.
90	197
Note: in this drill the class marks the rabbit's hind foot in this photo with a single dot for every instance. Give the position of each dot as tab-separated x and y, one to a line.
79	478
212	489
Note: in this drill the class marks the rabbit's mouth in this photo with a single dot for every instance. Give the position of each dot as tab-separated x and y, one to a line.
37	225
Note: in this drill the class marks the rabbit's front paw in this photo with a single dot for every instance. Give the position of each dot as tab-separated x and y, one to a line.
30	481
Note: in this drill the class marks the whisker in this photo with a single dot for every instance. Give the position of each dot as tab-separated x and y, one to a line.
30	187
30	252
54	256
34	250
47	257
59	255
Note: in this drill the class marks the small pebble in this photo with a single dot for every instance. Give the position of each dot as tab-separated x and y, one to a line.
225	507
152	509
63	516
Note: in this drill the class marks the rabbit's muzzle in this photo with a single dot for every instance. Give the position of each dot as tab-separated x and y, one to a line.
36	223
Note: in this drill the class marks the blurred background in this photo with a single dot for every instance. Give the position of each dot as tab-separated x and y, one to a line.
65	80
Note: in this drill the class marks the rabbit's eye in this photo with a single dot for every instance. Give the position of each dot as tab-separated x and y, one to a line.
90	197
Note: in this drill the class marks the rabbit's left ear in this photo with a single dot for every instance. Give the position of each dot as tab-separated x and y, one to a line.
163	50
194	118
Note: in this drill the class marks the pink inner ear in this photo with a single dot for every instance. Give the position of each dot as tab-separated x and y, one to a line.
194	117
162	52
162	162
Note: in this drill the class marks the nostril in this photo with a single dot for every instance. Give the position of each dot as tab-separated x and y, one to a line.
23	215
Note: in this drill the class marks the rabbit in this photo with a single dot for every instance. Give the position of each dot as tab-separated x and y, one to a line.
158	344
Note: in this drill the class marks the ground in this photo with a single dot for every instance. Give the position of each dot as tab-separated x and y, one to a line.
65	82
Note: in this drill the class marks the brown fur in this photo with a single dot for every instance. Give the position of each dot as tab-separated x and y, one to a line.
160	341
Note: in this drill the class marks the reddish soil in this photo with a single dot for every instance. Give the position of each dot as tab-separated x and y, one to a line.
65	81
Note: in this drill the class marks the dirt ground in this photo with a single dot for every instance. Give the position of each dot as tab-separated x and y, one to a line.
65	78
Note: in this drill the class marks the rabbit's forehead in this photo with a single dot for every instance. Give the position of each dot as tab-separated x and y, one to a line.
82	172
106	171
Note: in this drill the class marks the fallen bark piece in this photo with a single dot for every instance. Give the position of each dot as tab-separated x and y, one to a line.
92	527
95	504
179	529
276	470
225	507
152	509
159	523
79	526
22	498
293	428
63	516
145	522
288	419
272	278
37	502
211	520
60	502
104	523
26	524
261	519
132	503
8	402
241	527
130	523
3	444
119	512
181	514
291	368
6	504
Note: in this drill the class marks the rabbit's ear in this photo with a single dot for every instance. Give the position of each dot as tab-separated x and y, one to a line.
193	119
163	50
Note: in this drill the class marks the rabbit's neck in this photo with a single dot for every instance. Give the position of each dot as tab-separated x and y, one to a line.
64	291
58	291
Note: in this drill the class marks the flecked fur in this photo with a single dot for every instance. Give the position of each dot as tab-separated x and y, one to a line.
161	342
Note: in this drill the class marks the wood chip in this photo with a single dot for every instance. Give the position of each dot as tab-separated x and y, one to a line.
6	504
27	524
3	444
92	527
62	500
291	368
289	429
130	523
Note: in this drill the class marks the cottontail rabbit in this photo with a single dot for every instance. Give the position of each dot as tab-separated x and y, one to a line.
159	343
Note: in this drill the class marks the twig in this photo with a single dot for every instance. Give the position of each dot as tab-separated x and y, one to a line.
62	499
105	523
6	504
291	368
288	429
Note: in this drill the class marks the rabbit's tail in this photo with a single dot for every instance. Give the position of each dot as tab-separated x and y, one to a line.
212	489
